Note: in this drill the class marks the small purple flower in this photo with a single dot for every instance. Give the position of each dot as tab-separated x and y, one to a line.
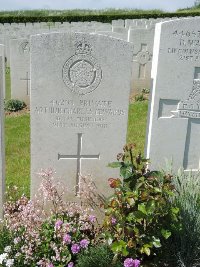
84	243
113	220
58	224
67	239
50	265
71	264
92	218
129	262
75	248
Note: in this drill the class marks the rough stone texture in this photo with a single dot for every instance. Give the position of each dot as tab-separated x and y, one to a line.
142	40
174	113
20	69
2	148
80	87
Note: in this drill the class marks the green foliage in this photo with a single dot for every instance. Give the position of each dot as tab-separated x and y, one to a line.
138	214
100	256
145	91
105	16
14	105
5	237
185	244
139	97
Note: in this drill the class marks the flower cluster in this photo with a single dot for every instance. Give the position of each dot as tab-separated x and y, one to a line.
129	262
47	238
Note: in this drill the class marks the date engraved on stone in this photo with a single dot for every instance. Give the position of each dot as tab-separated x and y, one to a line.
81	73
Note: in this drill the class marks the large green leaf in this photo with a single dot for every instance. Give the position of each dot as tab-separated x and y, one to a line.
126	172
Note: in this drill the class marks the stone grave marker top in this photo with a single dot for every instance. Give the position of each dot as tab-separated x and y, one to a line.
174	117
79	105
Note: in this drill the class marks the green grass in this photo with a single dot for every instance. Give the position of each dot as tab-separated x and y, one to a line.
137	120
17	146
8	89
17	139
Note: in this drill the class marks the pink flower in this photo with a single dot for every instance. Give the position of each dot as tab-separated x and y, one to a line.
50	265
84	243
58	224
92	218
67	239
71	264
113	220
129	262
75	248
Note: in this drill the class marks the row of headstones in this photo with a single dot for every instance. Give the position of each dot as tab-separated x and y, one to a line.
79	102
143	49
129	30
142	39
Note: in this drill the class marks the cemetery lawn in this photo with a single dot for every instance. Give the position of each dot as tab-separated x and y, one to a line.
17	148
17	140
8	89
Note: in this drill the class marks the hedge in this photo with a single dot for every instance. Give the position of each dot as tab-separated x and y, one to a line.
106	18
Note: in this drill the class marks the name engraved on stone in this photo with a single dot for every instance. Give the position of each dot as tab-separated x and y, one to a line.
24	47
78	157
188	45
85	114
27	79
81	73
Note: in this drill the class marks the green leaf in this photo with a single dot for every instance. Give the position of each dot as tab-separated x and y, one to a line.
142	208
150	207
126	172
156	242
114	164
175	210
166	233
125	252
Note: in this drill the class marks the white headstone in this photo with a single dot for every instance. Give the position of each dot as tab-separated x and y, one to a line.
20	69
2	148
80	87
174	118
142	40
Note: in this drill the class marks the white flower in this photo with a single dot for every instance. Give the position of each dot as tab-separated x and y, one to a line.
9	262
3	257
17	240
7	249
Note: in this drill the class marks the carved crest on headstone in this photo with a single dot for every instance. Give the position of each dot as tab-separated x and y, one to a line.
81	73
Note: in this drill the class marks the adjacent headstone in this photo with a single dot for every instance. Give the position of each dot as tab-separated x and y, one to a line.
142	60
174	117
80	87
2	148
20	69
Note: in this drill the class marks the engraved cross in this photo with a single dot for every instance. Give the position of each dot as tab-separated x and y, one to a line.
78	157
27	79
142	58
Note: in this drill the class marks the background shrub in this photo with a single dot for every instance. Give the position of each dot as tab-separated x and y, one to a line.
100	256
185	245
14	105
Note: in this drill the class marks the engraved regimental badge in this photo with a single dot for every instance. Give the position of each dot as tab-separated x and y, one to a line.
81	72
